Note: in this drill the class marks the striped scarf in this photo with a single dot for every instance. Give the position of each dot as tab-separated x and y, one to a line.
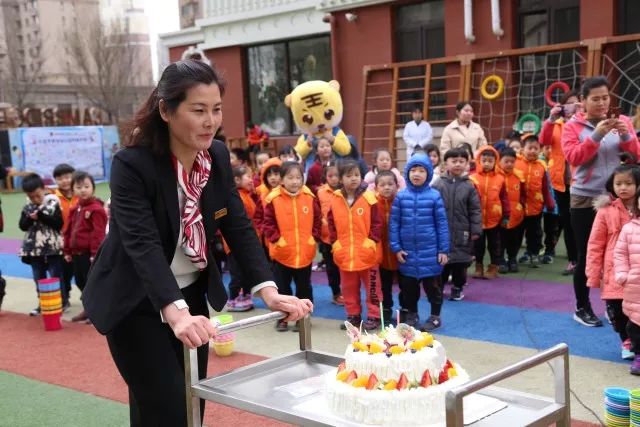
194	241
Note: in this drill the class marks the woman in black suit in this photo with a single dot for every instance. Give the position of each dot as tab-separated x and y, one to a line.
171	190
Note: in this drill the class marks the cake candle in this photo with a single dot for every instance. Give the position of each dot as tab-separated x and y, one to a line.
397	317
381	318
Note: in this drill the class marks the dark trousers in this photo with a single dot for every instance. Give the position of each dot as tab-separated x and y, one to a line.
301	277
386	283
333	273
564	224
458	273
67	275
550	226
81	265
238	281
491	238
151	361
633	331
410	288
53	265
617	317
511	240
582	222
533	233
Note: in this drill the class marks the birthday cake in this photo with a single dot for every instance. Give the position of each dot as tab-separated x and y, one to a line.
397	377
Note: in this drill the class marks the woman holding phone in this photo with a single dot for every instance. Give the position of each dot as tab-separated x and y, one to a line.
592	141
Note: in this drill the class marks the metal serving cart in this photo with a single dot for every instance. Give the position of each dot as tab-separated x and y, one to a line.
261	388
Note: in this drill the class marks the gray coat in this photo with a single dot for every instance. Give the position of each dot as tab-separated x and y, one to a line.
462	204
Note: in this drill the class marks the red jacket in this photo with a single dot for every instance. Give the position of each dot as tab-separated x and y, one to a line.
87	228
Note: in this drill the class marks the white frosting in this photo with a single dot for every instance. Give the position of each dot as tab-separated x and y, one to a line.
386	368
416	406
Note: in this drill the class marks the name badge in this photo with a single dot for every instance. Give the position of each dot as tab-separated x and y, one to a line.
219	214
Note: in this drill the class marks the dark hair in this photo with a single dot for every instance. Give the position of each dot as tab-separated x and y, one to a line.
287	149
148	128
80	176
633	170
455	153
488	153
460	105
347	165
62	169
528	138
240	154
636	210
376	153
467	147
382	174
325	168
514	134
565	97
32	182
273	169
417	110
429	148
240	171
591	83
508	152
288	166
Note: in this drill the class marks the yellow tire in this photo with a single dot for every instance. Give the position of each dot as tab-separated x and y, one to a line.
485	84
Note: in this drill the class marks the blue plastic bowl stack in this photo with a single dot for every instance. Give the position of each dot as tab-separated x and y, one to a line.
616	408
634	405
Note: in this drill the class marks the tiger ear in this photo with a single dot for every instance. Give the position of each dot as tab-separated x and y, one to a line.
335	85
287	101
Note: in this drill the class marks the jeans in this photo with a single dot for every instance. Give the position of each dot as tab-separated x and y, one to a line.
54	266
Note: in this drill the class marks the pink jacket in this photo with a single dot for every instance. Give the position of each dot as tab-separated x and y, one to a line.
611	216
627	267
370	179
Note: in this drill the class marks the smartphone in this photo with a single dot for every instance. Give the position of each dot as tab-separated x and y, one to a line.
614	112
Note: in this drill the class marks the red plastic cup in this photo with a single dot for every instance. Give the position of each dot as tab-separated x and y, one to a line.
52	321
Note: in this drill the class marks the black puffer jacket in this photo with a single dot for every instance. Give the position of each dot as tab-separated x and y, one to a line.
462	204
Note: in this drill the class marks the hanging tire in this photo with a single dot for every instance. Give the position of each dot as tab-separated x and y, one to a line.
529	117
485	84
548	94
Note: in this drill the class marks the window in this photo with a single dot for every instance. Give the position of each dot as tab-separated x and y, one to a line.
549	22
420	31
628	12
275	69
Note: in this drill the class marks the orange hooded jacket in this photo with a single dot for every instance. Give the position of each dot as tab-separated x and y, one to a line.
492	191
389	260
536	182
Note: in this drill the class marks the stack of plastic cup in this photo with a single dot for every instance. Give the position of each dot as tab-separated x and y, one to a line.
616	404
634	405
50	303
223	344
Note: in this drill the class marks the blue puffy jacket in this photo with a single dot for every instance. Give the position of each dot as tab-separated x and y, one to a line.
418	224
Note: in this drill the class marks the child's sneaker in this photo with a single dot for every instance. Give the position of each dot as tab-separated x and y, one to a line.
625	350
246	302
547	259
635	366
456	294
232	304
354	320
35	311
534	261
503	268
319	266
513	266
432	323
371	324
525	258
411	319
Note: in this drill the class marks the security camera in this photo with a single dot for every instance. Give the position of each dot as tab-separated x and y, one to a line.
351	17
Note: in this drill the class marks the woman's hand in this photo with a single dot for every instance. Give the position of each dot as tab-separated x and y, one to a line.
556	112
622	127
605	126
296	308
192	331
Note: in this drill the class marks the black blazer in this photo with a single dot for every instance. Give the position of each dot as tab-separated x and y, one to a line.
134	261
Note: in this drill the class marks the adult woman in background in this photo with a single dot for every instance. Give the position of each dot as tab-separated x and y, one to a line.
592	142
462	129
171	190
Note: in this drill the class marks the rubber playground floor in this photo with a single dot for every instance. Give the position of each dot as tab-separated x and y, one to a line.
68	378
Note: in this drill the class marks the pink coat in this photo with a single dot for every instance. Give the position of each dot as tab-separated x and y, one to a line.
627	268
611	216
370	179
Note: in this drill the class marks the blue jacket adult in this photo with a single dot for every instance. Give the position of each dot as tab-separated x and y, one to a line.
418	224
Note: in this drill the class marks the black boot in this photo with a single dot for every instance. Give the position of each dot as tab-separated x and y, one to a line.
387	314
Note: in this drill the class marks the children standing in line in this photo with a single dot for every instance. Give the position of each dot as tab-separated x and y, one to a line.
386	190
355	233
511	233
41	220
433	152
325	195
63	173
489	183
86	231
611	217
324	154
419	236
550	218
463	216
240	298
292	223
382	162
537	187
626	265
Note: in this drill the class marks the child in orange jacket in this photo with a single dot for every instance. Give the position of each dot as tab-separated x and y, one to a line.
325	194
292	223
611	217
355	232
386	190
240	298
538	191
489	183
512	232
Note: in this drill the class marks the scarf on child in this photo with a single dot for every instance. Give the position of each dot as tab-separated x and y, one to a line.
194	241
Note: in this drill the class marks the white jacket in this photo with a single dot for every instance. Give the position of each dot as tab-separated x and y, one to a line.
416	135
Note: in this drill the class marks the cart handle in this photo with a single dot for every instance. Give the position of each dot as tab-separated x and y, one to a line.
250	322
455	416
